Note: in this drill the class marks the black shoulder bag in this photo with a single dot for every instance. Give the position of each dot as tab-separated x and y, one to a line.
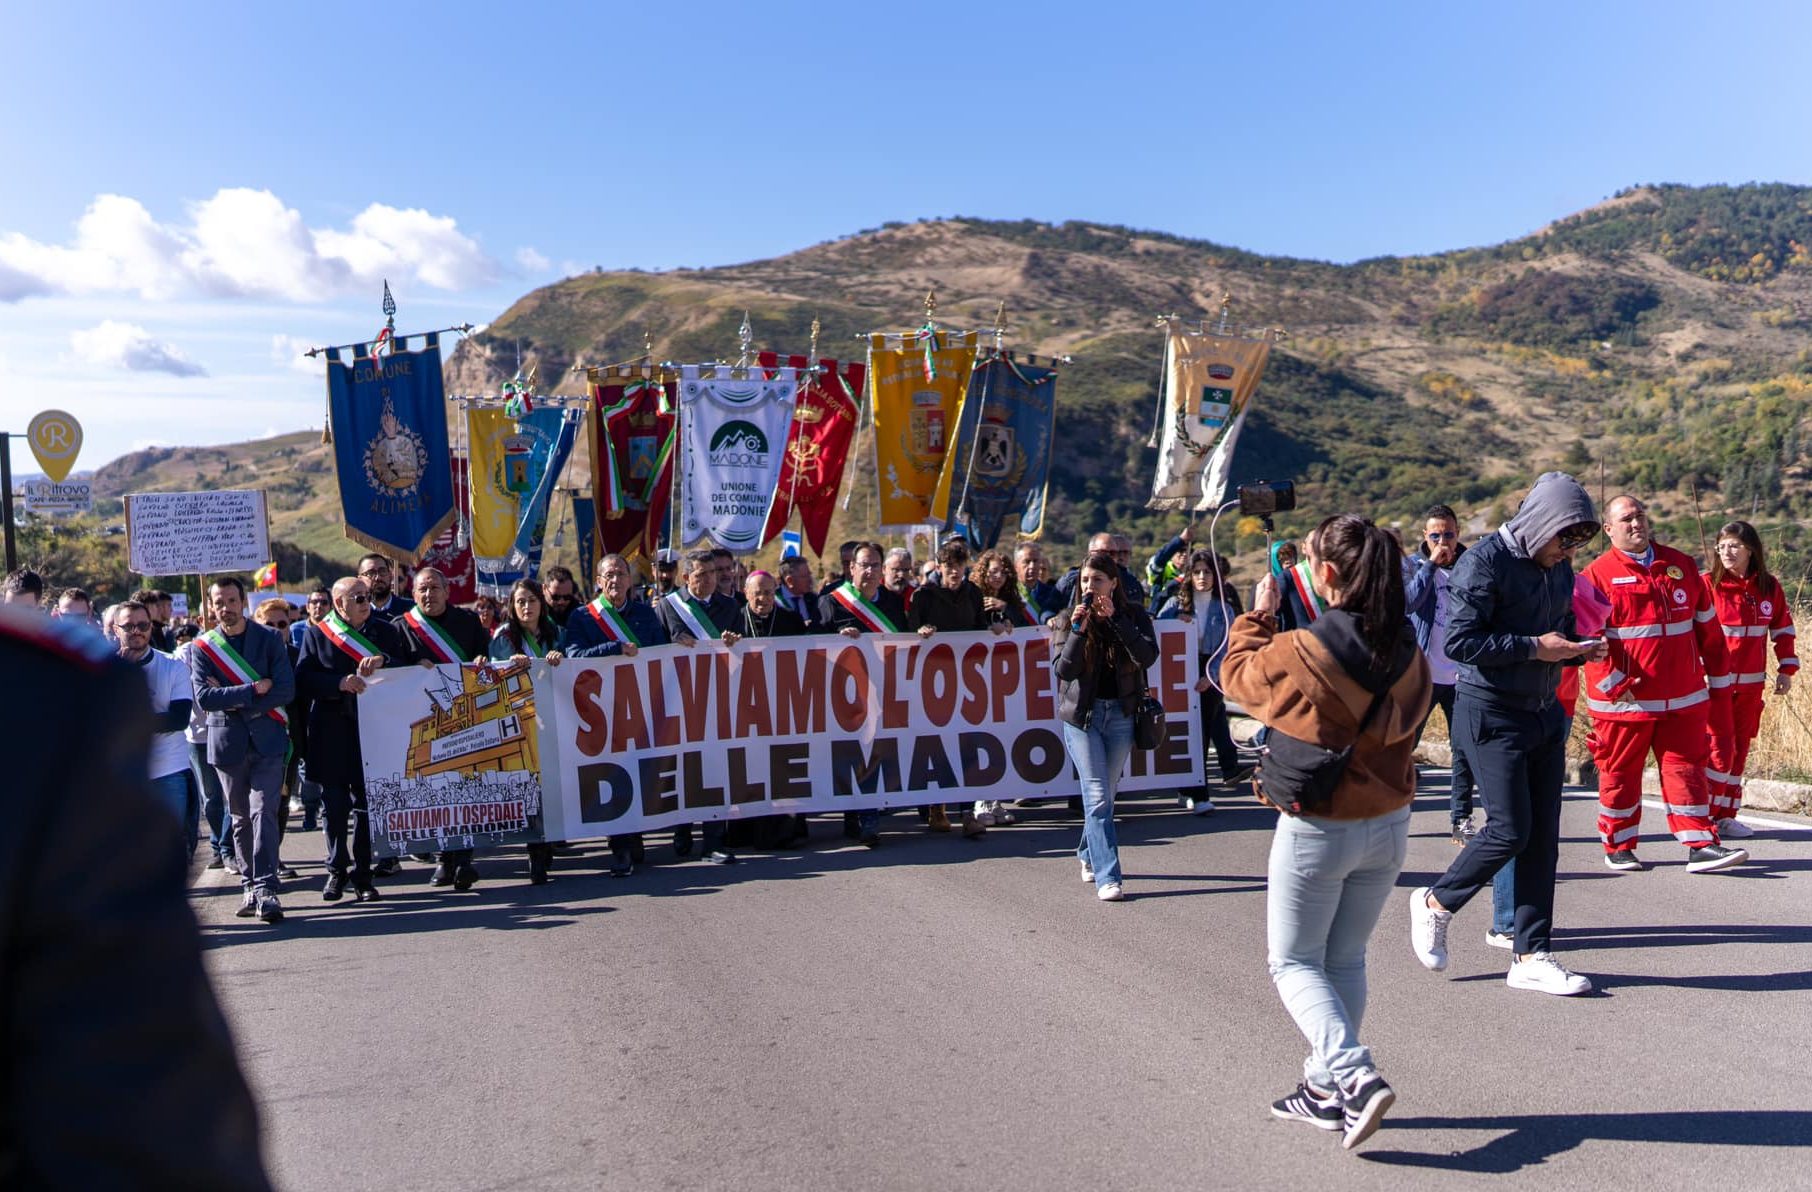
1299	777
1149	728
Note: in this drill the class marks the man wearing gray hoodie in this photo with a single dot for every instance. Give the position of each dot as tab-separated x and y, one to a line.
1509	632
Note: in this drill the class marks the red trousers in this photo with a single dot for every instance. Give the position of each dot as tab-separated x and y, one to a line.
1681	742
1729	751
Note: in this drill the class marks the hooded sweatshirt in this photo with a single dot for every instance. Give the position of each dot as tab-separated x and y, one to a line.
1503	600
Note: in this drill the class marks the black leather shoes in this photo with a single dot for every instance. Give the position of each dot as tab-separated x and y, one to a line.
335	887
621	867
465	876
443	874
871	840
368	894
386	866
682	842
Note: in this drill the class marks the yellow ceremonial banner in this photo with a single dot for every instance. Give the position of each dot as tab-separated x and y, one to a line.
494	510
914	417
1208	381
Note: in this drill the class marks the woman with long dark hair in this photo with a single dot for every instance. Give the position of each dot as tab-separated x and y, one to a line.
1353	679
1102	651
992	572
1202	597
1752	608
528	631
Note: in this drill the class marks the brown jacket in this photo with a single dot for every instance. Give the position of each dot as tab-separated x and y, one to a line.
1293	683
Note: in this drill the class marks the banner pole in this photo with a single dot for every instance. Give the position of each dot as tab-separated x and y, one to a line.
6	498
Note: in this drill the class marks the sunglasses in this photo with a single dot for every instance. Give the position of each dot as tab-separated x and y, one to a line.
358	598
136	626
1575	537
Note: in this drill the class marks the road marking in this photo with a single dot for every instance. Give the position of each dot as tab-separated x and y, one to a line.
1754	821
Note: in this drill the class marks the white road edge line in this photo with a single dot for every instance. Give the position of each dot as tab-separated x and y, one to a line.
1754	821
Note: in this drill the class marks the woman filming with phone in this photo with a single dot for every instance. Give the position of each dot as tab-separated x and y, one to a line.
1343	701
1102	651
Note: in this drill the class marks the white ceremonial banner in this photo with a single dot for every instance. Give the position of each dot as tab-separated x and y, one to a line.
732	435
196	533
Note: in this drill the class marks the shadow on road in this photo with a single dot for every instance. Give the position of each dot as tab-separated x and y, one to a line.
1535	1138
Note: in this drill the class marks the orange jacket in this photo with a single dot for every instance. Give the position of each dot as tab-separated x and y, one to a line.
1750	616
1666	648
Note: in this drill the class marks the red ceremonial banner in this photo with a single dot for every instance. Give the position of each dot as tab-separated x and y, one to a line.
633	431
817	447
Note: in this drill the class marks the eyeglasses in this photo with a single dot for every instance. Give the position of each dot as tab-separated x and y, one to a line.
358	598
373	574
135	626
1574	537
1443	536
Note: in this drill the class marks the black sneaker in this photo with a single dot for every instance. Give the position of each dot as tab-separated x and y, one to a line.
1624	861
270	910
1711	857
1463	831
216	862
248	904
1365	1104
1309	1104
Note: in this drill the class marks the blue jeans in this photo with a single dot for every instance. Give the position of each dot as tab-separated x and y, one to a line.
1503	886
213	802
1099	753
1329	880
174	792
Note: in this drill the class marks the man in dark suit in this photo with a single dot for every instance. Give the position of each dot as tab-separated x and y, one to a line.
243	681
798	593
862	605
692	613
339	652
441	634
614	624
762	615
379	574
561	591
119	1069
1042	599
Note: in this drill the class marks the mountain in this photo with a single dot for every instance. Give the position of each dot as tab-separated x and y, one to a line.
1661	339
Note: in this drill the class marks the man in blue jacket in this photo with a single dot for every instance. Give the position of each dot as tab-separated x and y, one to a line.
243	681
1510	633
1426	594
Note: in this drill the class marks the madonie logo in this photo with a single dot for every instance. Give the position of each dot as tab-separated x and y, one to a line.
739	444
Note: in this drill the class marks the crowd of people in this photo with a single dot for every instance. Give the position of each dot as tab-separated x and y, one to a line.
1349	645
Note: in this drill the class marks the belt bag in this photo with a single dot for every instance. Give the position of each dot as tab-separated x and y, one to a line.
1299	777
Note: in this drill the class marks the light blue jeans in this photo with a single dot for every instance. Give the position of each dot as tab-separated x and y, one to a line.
1099	753
1329	880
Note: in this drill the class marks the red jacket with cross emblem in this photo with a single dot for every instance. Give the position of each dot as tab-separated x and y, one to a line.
1751	615
1666	647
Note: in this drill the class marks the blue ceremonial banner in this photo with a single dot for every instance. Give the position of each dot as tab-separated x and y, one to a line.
1001	457
389	423
553	432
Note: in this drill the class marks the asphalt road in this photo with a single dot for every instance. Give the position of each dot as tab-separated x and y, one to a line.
950	1014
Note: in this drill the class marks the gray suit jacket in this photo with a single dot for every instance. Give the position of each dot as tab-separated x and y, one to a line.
239	720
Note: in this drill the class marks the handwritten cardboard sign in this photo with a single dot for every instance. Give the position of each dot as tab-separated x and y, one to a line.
197	533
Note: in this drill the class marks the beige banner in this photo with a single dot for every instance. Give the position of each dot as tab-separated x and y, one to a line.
1208	381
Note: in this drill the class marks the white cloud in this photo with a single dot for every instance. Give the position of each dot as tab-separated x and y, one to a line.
530	261
130	347
242	243
289	350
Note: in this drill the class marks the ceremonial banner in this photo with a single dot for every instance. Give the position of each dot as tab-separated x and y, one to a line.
452	757
1208	379
733	432
1220	463
389	423
516	463
446	554
916	389
632	457
825	413
1001	458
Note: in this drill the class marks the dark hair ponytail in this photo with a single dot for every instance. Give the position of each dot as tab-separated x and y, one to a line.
1370	570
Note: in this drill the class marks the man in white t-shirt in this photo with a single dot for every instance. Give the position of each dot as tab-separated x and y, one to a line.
172	700
1425	596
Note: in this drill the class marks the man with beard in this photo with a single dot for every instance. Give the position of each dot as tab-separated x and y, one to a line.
859	605
379	574
339	652
562	592
444	634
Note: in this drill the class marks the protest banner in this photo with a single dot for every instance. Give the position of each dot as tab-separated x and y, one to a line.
451	757
459	757
196	533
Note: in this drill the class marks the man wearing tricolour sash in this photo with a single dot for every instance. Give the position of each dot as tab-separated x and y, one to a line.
243	680
692	613
856	606
614	624
339	653
442	634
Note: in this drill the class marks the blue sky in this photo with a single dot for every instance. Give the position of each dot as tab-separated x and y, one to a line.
252	196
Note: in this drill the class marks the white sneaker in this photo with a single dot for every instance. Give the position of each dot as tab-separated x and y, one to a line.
1110	893
1734	829
1499	939
1088	875
984	813
1201	806
1428	930
1544	974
